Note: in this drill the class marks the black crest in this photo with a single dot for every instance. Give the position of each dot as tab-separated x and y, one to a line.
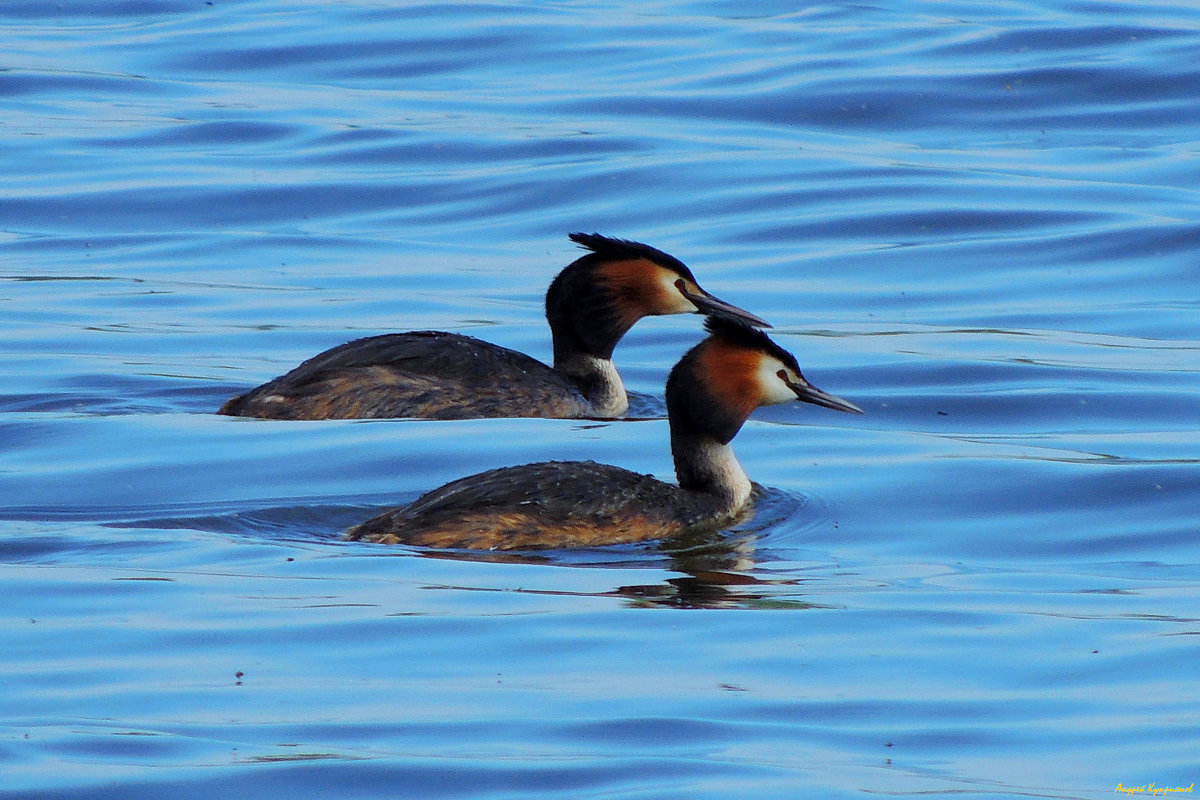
610	249
748	337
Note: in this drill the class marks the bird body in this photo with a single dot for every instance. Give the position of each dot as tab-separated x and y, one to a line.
559	504
548	505
590	305
429	374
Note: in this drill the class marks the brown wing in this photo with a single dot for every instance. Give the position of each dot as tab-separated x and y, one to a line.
417	374
554	504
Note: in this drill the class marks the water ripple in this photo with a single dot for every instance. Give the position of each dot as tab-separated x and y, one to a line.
977	222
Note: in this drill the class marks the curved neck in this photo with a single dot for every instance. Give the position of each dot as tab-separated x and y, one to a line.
584	330
702	464
597	380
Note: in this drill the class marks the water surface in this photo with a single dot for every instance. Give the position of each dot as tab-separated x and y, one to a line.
978	222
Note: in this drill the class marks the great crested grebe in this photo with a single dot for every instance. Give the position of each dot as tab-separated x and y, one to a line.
560	504
590	305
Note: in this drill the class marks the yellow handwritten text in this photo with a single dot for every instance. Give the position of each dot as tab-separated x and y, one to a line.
1151	788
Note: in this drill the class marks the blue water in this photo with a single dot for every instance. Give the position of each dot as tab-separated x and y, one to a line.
980	222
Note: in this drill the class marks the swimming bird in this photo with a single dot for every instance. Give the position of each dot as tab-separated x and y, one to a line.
561	504
590	305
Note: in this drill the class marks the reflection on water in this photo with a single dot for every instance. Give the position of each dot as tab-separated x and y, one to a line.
978	223
713	590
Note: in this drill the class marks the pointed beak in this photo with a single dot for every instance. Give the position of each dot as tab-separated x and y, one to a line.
810	394
707	304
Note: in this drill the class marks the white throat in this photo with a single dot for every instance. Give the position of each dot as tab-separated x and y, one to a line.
730	478
599	382
710	466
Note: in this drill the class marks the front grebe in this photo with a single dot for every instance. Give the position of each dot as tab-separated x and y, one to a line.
557	504
590	305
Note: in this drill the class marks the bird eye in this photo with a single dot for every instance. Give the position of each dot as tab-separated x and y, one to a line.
783	376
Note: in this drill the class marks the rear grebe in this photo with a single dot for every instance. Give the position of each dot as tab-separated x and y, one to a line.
557	504
590	305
